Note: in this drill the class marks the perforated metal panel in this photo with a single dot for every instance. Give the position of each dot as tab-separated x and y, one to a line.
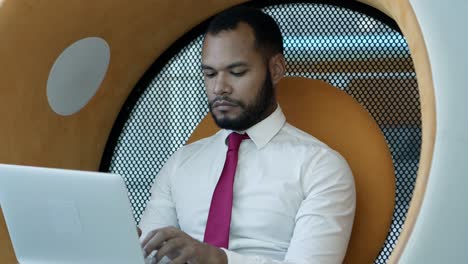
355	52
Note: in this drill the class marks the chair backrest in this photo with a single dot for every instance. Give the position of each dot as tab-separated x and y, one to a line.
7	255
335	118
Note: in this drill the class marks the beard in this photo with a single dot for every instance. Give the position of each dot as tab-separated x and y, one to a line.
251	113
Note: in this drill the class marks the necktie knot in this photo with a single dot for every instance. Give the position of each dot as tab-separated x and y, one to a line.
235	139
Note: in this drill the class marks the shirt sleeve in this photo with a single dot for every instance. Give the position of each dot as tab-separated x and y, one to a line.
160	210
324	219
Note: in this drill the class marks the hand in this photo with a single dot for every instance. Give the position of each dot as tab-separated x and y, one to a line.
181	248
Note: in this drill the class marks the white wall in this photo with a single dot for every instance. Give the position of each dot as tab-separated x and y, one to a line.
441	231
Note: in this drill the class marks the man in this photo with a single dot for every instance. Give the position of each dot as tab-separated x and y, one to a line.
292	199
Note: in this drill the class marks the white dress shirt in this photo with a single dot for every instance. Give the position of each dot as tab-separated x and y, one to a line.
294	197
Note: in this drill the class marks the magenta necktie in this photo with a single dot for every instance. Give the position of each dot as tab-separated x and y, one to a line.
219	217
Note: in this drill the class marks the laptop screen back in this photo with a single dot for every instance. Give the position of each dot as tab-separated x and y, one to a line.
66	216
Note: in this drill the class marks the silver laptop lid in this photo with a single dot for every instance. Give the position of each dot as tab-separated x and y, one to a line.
67	216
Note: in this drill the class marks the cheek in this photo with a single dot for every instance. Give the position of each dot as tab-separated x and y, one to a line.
209	89
248	89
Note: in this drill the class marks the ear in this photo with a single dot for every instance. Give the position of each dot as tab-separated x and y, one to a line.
277	66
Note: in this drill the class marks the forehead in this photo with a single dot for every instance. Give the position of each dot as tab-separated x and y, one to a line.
230	46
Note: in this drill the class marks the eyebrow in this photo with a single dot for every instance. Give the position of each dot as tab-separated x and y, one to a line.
230	66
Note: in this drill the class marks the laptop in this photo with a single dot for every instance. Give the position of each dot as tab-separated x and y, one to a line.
68	216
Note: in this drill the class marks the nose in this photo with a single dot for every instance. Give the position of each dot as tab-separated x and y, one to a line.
221	85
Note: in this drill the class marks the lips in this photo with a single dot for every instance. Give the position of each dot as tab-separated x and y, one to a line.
223	103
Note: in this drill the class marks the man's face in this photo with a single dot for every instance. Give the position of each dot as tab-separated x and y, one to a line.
237	79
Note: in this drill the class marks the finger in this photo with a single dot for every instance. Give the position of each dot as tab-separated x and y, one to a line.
149	236
138	231
182	259
169	231
156	238
155	243
171	248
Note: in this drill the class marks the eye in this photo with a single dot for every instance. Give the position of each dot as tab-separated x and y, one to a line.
209	74
238	73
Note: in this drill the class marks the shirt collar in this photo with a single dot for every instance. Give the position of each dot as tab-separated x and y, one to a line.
262	132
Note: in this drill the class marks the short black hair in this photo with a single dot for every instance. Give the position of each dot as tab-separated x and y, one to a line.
268	37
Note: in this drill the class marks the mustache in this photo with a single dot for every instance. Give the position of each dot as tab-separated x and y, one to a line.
227	99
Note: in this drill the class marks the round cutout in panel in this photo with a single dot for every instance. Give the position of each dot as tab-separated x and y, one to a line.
77	74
